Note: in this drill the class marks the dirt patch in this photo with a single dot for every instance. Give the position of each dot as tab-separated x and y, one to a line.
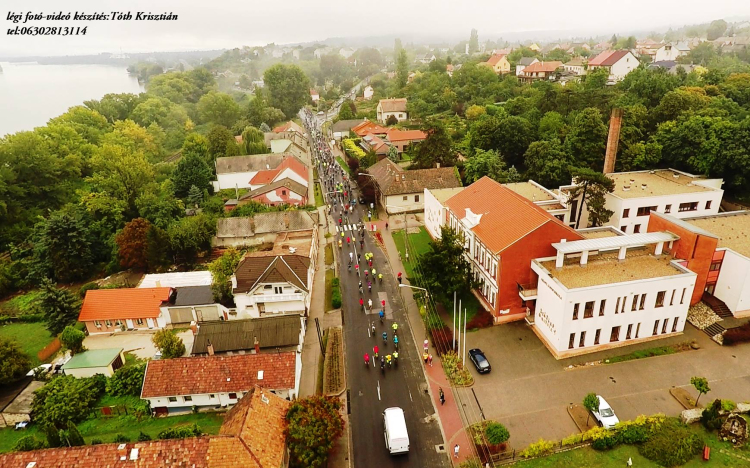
583	419
334	379
684	398
126	278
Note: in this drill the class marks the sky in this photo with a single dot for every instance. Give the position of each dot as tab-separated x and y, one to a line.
219	24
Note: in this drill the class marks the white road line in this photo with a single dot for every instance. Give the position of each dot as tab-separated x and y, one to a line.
410	398
379	389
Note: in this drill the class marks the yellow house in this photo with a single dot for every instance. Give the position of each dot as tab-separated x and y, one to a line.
499	63
535	47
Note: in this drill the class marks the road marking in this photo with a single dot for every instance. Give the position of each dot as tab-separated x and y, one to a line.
410	398
379	390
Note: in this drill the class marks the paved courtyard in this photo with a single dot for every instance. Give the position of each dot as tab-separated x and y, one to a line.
137	342
528	390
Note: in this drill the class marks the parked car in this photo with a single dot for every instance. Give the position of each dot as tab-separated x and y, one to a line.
480	361
606	416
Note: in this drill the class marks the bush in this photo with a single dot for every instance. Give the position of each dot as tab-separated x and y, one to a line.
673	444
96	441
442	339
710	417
537	449
728	405
736	335
121	439
496	433
72	339
142	437
180	432
170	345
65	399
454	370
335	293
482	319
605	443
87	287
633	434
127	381
352	150
27	444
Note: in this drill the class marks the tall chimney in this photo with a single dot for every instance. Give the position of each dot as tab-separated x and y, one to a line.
613	140
257	345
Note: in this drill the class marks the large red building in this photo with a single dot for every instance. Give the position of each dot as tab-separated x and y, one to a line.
503	232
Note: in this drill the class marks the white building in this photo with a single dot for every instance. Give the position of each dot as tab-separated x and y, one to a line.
672	51
95	361
235	172
523	63
368	93
175	280
609	292
347	52
638	193
554	202
618	62
214	382
435	211
392	107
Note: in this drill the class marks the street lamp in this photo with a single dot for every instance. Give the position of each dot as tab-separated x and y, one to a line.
413	287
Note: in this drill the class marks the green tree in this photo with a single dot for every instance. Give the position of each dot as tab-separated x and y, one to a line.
65	399
53	436
485	163
259	112
120	176
701	386
75	439
195	196
62	247
473	41
716	29
314	424
496	433
90	124
170	345
475	111
402	69
190	236
587	139
218	108
552	126
222	270
114	107
159	205
288	88
174	87
548	163
596	79
137	139
391	120
14	363
393	153
59	306
591	403
127	380
72	339
218	138
27	444
132	244
592	187
346	112
436	148
191	170
445	269
158	248
196	144
513	136
254	141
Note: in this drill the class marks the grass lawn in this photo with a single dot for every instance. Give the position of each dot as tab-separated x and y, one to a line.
23	304
32	337
329	254
318	196
343	164
644	353
330	275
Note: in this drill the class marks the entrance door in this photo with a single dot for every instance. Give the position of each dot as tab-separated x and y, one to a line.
150	323
129	323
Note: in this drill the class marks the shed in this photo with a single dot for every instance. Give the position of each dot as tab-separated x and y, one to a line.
95	361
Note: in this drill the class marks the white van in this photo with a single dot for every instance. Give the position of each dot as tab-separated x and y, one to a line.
396	436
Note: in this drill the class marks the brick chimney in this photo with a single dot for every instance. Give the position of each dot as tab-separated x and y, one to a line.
257	345
613	140
210	349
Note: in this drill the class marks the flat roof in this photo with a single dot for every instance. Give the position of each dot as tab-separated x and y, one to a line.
175	280
658	183
444	194
530	191
607	269
300	241
599	232
551	206
732	229
93	358
606	243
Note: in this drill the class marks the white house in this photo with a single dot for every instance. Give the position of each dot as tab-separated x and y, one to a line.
368	93
392	107
235	172
322	51
278	281
618	62
597	294
347	52
576	66
435	211
523	63
638	193
314	95
214	382
342	128
671	51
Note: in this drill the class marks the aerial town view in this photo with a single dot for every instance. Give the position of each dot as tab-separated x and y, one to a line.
404	234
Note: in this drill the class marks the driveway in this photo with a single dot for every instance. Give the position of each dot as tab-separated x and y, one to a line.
137	342
528	390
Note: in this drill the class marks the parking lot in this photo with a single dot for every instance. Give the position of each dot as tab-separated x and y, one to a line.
136	342
528	390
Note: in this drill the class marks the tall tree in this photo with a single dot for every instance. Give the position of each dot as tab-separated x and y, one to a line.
222	270
72	338
190	236
591	403
218	108
314	424
402	69
701	385
66	398
473	41
592	187
63	247
587	138
191	170
120	175
254	141
132	244
59	306
445	269
288	88
485	163
435	149
14	363
218	138
716	29
548	163
170	345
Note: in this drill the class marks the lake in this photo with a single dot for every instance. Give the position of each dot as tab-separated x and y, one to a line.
31	94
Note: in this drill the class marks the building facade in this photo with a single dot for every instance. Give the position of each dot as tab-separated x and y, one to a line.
392	107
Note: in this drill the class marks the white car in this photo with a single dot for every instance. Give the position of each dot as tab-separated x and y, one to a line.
606	415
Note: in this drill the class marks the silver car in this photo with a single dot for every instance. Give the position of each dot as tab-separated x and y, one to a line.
606	416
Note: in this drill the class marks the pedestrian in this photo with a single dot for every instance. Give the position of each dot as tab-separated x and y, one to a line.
424	357
455	451
426	345
386	226
399	277
442	396
429	359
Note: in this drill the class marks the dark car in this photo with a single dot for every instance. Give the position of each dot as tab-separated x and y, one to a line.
480	361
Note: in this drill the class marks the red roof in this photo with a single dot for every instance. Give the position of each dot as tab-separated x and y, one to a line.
289	162
127	303
543	67
282	128
494	59
394	134
506	216
608	58
264	177
218	374
369	127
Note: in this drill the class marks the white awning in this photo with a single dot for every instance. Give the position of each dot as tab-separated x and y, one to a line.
611	243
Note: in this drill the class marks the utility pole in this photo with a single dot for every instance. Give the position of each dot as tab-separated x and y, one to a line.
454	321
463	354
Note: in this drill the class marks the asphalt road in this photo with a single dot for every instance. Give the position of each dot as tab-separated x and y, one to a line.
371	390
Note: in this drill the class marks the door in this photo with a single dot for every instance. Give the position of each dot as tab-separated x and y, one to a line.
150	323
129	323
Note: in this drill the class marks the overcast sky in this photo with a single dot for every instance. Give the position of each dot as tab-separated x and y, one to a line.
212	24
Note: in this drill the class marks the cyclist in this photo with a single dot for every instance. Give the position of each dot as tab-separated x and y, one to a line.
385	337
380	276
367	359
340	243
382	314
395	340
374	272
383	303
369	303
361	301
375	351
395	357
369	286
388	360
395	327
399	277
373	328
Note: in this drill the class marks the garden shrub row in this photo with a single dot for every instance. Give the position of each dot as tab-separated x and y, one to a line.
352	149
736	335
335	293
454	370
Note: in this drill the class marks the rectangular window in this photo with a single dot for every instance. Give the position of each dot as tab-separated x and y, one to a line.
682	298
575	311
582	340
283	192
637	330
674	324
416	198
624	298
668	208
656	328
212	396
643	302
596	336
615	335
626	212
588	310
715	266
671	300
601	307
692	206
278	290
573	209
172	399
636	229
623	228
617	305
664	326
645	210
635	303
630	329
232	396
97	323
572	340
187	398
708	205
406	197
108	323
660	298
139	321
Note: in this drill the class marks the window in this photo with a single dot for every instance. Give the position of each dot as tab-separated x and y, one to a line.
560	217
630	329
268	286
601	307
623	304
572	340
682	298
715	266
588	309
187	398
575	311
708	205
232	396
637	329
172	399
636	229
656	328
645	210
283	192
664	326
582	340
635	303
211	396
596	336
660	298
573	209
118	322
617	306
278	290
97	323
643	302
416	198
615	335
108	323
668	208
692	206
139	321
671	300
626	212
674	324
406	197
623	228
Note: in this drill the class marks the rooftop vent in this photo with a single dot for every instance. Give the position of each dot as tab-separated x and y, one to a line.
626	188
292	249
134	454
121	446
643	186
632	181
260	375
229	379
676	176
31	465
264	398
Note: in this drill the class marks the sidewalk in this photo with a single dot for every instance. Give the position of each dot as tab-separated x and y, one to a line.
449	416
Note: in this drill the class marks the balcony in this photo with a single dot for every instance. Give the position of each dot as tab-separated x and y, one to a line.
529	316
527	291
264	298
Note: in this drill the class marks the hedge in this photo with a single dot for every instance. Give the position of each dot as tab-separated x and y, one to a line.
335	293
352	149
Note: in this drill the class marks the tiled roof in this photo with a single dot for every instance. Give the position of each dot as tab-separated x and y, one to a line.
343	125
543	67
369	127
608	58
235	335
376	143
393	105
386	173
492	61
264	177
574	62
126	303
395	134
255	269
526	61
218	374
506	216
289	127
289	184
251	163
